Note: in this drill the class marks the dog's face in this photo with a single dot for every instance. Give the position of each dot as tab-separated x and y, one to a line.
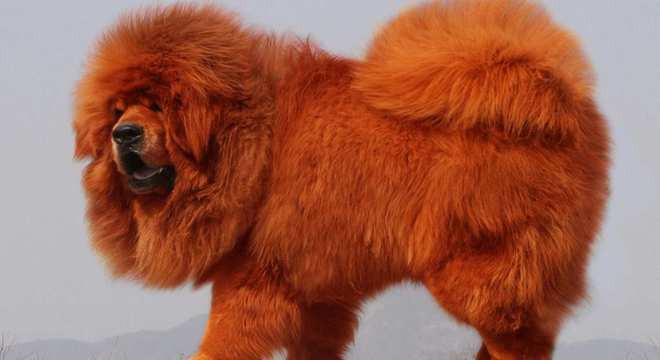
138	146
172	111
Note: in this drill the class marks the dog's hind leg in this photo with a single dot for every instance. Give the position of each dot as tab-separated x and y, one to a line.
509	330
514	292
525	344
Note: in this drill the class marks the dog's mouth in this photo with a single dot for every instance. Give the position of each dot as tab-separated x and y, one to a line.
143	178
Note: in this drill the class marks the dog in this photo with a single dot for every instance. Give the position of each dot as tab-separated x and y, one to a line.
464	152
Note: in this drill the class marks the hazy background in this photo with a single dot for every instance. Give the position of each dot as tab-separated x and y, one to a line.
52	285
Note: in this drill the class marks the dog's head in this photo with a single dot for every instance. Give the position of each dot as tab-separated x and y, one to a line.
173	111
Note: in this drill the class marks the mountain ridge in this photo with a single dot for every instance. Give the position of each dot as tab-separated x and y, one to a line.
180	341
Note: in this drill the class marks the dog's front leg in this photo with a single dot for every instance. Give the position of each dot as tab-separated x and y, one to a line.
251	317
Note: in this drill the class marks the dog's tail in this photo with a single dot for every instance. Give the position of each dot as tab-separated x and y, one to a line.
473	63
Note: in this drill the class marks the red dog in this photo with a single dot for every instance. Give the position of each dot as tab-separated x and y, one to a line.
464	153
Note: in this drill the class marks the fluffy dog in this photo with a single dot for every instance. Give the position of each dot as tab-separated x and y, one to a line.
465	153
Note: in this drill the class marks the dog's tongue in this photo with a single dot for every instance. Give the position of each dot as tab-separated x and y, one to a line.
146	172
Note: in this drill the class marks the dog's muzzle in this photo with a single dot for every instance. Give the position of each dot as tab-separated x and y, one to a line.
142	178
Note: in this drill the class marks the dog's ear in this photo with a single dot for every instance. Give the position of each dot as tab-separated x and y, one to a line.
83	147
90	125
89	137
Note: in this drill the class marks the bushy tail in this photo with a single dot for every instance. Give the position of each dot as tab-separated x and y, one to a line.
474	63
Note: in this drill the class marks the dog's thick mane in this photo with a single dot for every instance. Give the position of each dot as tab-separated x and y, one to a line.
215	80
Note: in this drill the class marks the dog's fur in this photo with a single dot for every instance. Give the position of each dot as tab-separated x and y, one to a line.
465	152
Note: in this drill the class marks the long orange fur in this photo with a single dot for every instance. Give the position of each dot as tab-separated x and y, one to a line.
465	153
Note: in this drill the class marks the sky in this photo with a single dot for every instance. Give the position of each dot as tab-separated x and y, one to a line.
53	286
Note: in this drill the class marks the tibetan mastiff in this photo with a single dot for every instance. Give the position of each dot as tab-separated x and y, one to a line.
464	152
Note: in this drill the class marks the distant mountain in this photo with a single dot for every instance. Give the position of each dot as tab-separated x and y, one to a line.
608	350
172	344
394	327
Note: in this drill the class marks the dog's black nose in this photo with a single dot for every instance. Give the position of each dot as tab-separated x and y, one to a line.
126	134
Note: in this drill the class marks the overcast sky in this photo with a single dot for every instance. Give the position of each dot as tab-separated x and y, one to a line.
52	285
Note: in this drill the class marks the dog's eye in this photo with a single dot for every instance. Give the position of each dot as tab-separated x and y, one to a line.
155	107
118	113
